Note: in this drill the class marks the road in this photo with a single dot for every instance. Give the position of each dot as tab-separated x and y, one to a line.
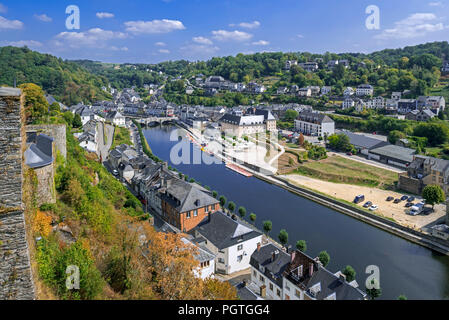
104	146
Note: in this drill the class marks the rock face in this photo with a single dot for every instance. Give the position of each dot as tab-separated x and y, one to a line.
16	282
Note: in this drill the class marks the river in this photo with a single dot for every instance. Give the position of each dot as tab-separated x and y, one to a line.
405	267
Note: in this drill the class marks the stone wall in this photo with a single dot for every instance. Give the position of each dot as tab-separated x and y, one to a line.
10	149
46	192
16	281
409	184
56	131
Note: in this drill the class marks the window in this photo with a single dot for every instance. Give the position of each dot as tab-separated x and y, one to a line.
255	274
207	208
221	260
262	279
240	247
195	213
287	297
287	288
297	293
188	214
271	287
278	292
239	258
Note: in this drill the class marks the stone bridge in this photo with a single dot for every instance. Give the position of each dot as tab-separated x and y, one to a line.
158	120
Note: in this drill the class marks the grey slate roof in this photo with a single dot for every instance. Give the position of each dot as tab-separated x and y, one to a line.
395	152
330	284
187	196
314	117
40	154
273	269
223	232
359	140
9	92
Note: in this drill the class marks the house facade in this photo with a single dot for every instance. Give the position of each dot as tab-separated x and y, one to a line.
311	123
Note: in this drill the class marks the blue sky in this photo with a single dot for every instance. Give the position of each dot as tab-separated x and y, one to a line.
158	30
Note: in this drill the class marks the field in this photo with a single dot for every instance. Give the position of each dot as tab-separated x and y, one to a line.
121	136
341	170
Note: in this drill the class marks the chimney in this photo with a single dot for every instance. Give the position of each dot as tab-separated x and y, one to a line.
342	277
311	269
258	246
274	255
447	211
293	256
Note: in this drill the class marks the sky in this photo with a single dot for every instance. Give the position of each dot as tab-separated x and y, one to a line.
152	31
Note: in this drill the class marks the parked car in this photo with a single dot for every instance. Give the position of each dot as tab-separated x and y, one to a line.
349	153
397	200
367	204
404	198
411	199
416	209
115	172
359	198
373	207
390	198
409	204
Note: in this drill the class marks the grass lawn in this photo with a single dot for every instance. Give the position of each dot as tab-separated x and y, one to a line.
121	136
341	170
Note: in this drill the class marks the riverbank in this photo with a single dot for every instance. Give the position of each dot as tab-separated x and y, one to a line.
377	221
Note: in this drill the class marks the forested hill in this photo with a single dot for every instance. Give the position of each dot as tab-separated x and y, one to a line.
66	81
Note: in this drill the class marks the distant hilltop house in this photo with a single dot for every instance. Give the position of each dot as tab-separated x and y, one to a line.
365	90
314	123
348	92
255	121
420	115
326	90
290	63
445	67
309	66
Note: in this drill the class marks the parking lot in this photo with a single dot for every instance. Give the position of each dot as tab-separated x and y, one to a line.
376	196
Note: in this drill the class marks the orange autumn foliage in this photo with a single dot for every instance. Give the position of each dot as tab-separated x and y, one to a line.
42	223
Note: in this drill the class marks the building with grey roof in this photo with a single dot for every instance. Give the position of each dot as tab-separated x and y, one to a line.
233	242
314	123
392	155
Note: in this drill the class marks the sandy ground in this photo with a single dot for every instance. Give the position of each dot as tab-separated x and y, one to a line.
376	196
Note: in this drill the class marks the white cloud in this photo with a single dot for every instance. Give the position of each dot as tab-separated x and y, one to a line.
114	48
165	51
261	43
95	37
415	25
10	24
154	26
436	4
223	35
196	50
22	43
300	36
247	25
160	44
104	15
3	8
202	40
43	17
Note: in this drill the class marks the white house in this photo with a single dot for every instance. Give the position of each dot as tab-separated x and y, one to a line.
229	240
348	92
364	90
305	92
347	103
326	90
117	119
206	261
316	124
290	63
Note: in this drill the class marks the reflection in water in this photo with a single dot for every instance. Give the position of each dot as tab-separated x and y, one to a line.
405	268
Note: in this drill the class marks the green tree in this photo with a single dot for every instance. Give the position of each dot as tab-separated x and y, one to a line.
291	114
231	206
340	142
433	194
253	217
283	237
324	258
396	135
215	194
223	201
267	226
301	245
36	106
242	211
77	123
350	273
373	291
402	297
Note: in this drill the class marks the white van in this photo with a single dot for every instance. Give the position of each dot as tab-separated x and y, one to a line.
416	209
